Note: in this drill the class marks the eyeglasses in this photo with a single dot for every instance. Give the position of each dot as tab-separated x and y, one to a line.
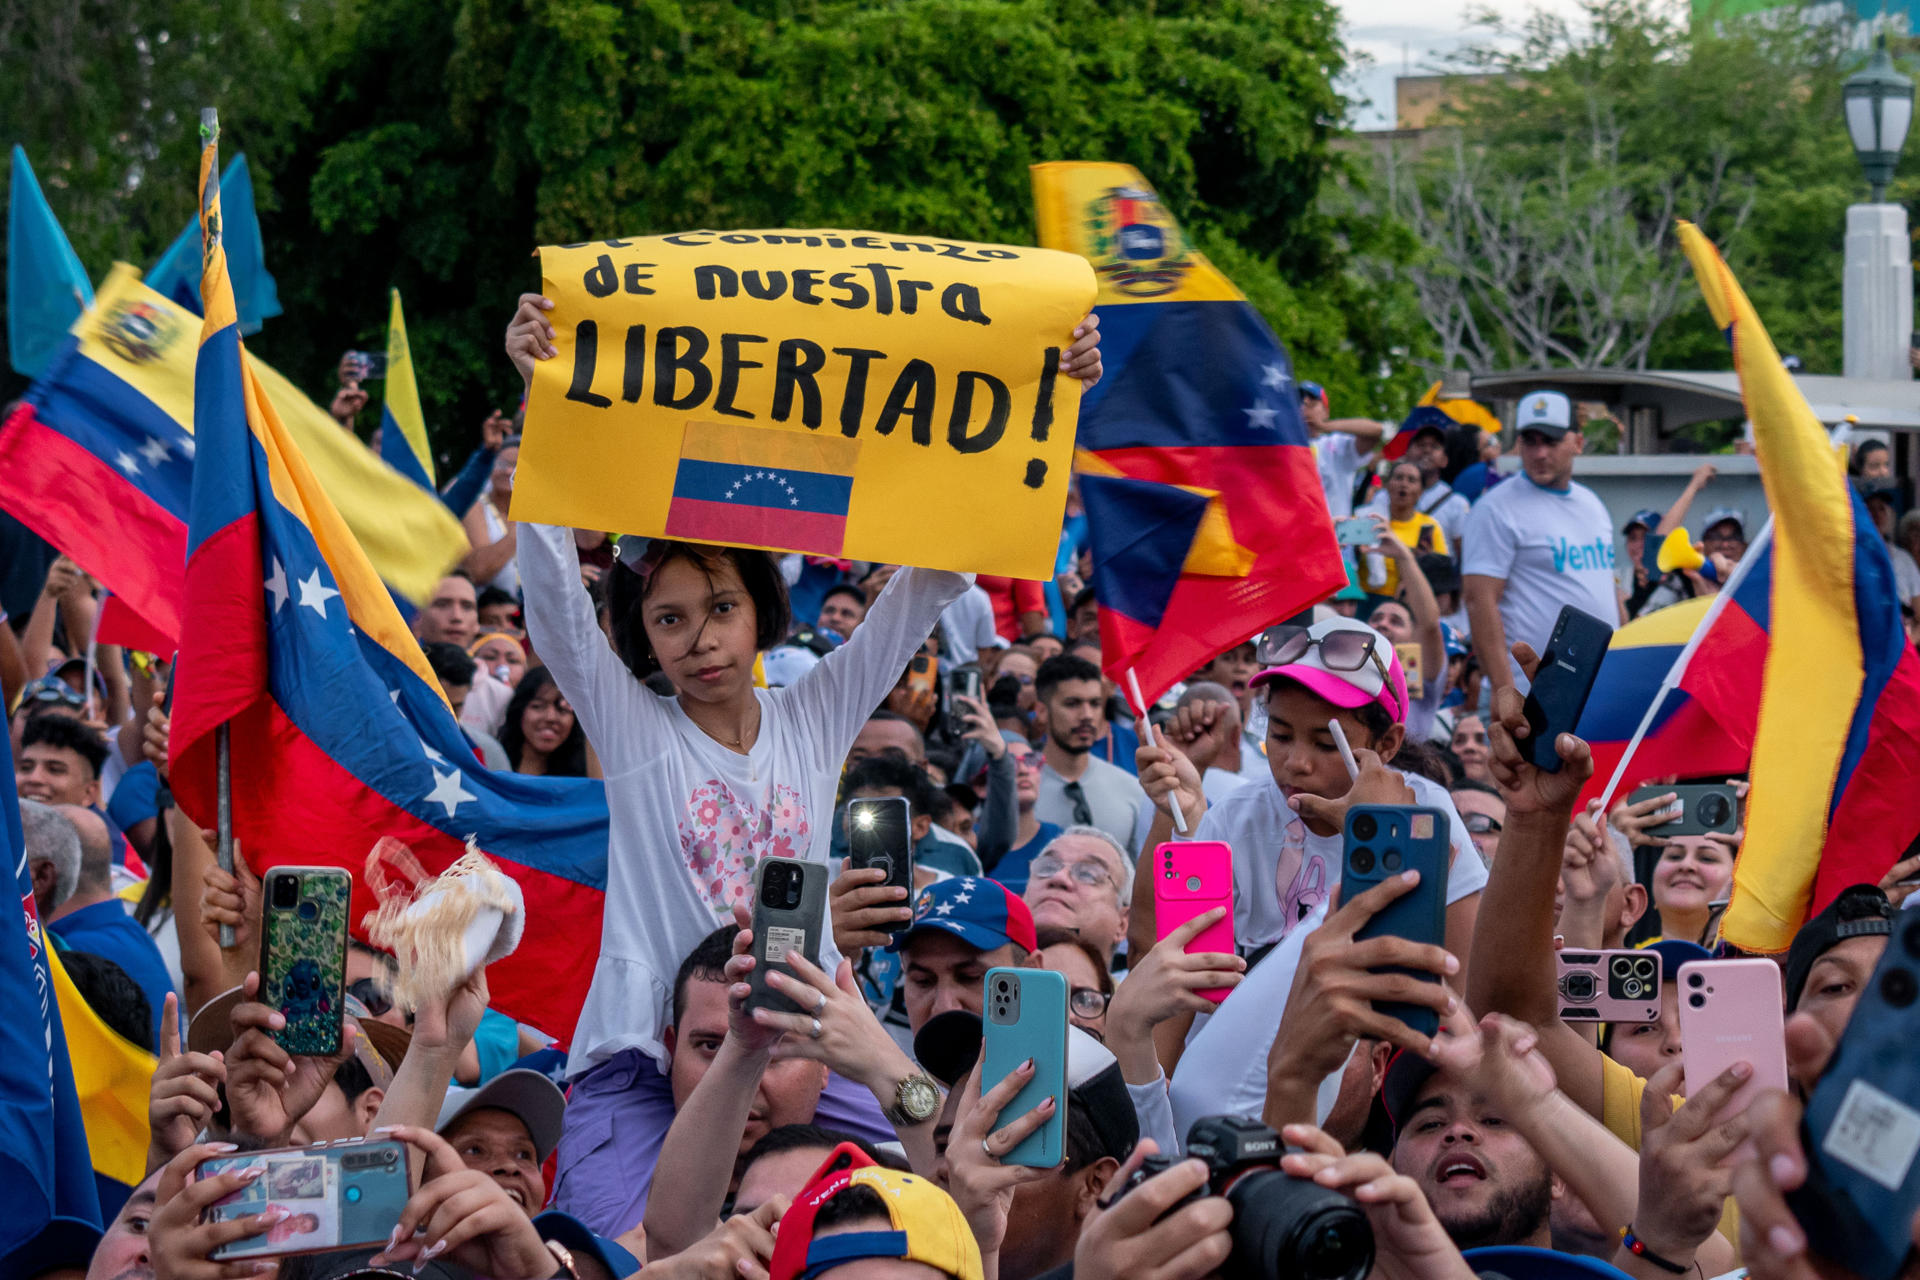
1086	871
1082	811
1030	760
1088	1002
1342	650
1481	824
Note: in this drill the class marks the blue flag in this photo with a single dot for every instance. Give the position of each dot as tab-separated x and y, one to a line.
47	287
52	1213
177	274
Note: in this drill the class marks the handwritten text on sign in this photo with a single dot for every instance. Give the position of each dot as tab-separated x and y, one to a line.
844	393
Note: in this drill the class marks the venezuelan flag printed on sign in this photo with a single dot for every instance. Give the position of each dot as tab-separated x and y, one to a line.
339	732
1836	751
762	487
1203	499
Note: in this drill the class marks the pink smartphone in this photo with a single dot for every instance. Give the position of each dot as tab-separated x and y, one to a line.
1730	1011
1192	877
1609	986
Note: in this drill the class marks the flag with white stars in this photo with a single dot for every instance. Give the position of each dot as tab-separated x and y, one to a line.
1203	499
340	734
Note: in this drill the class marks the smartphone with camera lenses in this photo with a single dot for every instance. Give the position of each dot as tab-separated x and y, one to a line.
1698	808
1384	841
1730	1011
1026	1017
1562	682
1192	877
962	682
1862	1129
880	834
303	955
789	912
1608	986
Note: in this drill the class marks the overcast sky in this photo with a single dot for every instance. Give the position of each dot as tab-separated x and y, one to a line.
1410	36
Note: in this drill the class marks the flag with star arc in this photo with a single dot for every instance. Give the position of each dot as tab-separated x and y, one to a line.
1202	494
340	734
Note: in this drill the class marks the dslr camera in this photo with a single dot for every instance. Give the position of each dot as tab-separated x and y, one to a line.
1282	1226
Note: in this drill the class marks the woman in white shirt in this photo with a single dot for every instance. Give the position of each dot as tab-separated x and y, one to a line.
700	786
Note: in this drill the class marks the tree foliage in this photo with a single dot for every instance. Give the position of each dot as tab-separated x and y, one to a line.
439	141
1546	213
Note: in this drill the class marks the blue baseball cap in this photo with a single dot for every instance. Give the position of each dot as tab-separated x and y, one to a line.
1647	518
1456	647
1426	418
981	913
1673	953
1312	390
574	1235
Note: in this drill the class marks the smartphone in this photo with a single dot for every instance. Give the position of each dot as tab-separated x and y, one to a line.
1562	682
303	955
1410	666
1382	841
1027	1018
1730	1011
1356	531
1193	877
339	1195
923	674
368	364
1609	986
1862	1129
1702	808
962	682
789	907
880	834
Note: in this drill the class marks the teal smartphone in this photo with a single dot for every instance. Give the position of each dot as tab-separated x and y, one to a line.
337	1195
1382	841
1026	1017
303	955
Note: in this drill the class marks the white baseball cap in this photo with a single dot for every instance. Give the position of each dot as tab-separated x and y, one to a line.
1548	412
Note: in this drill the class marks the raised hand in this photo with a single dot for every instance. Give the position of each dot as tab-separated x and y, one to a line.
1684	1182
1141	1236
230	897
1527	789
465	1215
530	334
978	1182
185	1093
1169	777
859	902
180	1245
1408	1241
269	1089
1082	359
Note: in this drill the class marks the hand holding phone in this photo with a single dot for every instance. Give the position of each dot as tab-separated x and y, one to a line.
1561	684
1026	1017
303	955
1355	531
1191	878
962	683
1698	809
1730	1011
880	837
333	1195
789	909
1381	842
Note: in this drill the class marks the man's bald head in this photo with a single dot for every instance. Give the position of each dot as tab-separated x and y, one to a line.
96	848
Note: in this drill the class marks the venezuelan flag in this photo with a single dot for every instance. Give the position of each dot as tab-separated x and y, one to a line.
98	459
111	1078
763	487
339	733
403	428
1203	498
52	1217
1836	751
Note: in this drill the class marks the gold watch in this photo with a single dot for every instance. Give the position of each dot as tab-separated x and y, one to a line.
916	1100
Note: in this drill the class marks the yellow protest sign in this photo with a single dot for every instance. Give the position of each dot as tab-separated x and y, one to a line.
842	393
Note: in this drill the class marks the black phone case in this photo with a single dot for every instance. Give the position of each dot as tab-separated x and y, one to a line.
1562	682
1863	1126
889	846
779	929
1420	916
1688	796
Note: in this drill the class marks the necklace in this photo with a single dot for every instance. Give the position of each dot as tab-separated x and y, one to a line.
738	745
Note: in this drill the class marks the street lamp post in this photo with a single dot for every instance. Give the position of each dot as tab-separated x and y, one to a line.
1877	297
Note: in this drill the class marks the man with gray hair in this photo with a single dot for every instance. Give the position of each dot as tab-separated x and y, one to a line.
53	855
1083	882
94	919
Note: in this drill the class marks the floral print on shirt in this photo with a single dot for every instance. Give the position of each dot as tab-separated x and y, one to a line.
723	838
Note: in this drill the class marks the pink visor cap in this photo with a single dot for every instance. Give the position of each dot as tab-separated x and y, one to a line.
1347	689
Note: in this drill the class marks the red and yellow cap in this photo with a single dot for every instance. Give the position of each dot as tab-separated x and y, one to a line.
928	1226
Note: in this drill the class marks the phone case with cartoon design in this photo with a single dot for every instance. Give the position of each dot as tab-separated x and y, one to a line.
303	955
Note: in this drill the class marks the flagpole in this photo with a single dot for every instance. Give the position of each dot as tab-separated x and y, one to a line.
1679	667
222	744
1146	722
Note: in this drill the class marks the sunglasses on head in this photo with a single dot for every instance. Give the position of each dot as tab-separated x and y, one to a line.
1339	650
52	689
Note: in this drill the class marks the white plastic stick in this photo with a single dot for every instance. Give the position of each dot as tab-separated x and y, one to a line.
1346	752
1153	740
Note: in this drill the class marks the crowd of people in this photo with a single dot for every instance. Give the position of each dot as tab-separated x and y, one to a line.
735	702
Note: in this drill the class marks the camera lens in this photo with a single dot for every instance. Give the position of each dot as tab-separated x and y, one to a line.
1643	968
1363	860
1697	1000
1291	1227
286	892
1391	860
1714	810
1898	988
1365	827
1002	985
1696	980
1630	988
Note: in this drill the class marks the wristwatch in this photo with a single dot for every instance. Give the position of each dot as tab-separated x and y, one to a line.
564	1257
916	1100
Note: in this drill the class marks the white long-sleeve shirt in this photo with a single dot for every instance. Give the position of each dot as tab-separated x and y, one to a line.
690	820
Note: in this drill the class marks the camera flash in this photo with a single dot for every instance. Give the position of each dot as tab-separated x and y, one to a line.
864	818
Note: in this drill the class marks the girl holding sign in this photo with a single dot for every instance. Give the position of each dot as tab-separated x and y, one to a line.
701	785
